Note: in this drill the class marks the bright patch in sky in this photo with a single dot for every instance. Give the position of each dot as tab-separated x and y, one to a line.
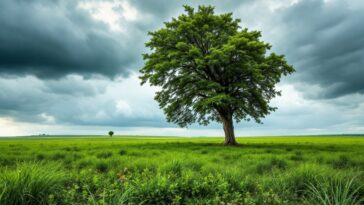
113	13
47	118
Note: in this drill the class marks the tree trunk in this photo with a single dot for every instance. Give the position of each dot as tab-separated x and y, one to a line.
227	122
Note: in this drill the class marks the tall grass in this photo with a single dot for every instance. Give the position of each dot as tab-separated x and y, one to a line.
335	191
29	184
297	170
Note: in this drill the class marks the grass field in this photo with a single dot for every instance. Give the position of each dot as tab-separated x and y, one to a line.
162	170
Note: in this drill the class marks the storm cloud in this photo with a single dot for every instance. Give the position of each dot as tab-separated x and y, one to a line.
74	100
50	39
325	43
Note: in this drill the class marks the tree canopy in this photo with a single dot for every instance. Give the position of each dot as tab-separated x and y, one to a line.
111	133
210	69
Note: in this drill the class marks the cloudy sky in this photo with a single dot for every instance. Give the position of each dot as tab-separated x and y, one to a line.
71	67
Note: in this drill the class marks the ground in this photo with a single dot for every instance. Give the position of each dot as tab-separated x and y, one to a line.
167	170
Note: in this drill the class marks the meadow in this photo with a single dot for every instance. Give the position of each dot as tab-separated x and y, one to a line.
167	170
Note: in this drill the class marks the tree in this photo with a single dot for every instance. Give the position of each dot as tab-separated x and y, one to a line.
210	69
111	133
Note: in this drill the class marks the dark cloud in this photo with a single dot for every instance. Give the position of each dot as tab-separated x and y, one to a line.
75	86
53	38
74	100
162	10
325	42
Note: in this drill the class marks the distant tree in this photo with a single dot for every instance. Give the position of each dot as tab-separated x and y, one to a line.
209	69
111	133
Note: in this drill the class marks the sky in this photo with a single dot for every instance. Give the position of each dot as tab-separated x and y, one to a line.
71	67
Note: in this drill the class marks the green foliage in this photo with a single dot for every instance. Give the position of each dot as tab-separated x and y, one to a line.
210	69
160	170
111	133
29	184
158	188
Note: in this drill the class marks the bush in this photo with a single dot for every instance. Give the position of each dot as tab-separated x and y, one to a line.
29	184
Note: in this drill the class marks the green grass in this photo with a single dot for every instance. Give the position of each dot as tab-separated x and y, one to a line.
29	183
166	170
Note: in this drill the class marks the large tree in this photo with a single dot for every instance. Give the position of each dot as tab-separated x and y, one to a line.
210	69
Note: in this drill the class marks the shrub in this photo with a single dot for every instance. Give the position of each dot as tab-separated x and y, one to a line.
29	184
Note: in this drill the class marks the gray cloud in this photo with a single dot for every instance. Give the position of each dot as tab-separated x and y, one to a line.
325	42
74	100
50	39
